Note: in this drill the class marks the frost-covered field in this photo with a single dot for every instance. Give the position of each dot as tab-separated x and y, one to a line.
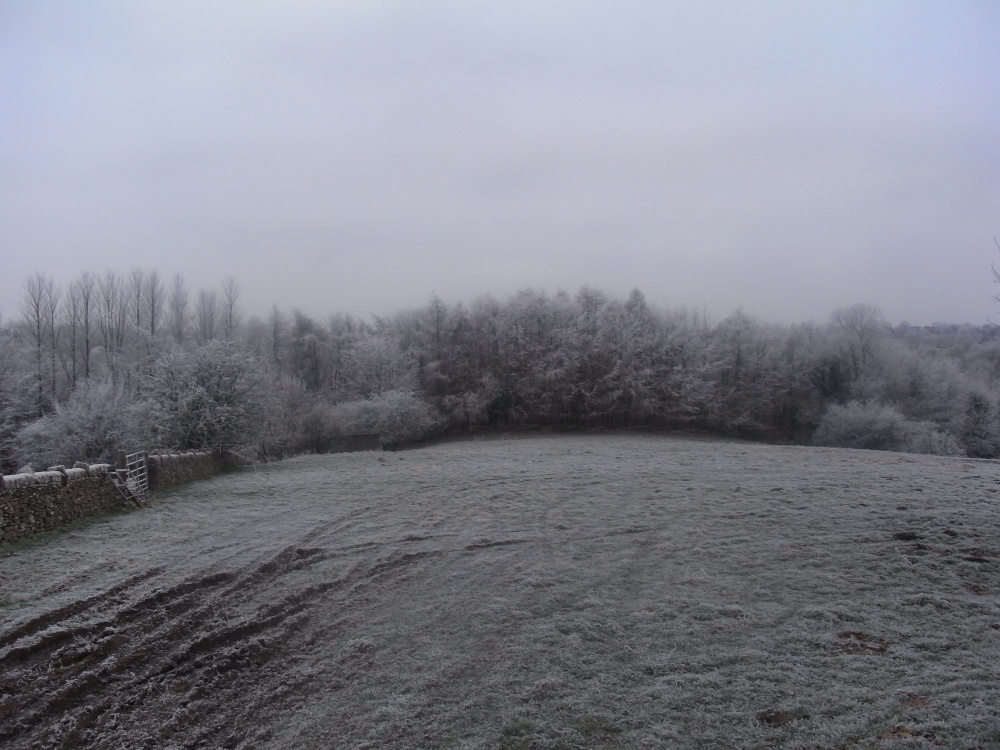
562	592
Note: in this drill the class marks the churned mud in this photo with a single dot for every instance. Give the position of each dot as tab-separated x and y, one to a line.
562	592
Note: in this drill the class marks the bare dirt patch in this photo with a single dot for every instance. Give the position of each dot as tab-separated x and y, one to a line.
855	642
570	592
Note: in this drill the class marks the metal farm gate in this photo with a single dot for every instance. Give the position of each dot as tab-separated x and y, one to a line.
131	476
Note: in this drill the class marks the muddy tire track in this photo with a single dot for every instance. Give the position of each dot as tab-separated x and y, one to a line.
101	671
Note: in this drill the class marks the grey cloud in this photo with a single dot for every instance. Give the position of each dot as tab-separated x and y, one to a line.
360	156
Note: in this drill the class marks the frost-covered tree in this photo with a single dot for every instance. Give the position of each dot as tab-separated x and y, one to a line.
18	396
378	364
535	359
210	396
179	308
925	386
862	329
278	330
98	418
135	285
876	427
980	432
398	416
112	321
154	295
232	311
206	315
82	292
37	304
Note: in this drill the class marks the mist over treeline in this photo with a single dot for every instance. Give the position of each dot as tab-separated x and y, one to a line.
138	361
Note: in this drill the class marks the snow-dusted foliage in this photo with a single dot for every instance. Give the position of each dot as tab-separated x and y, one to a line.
535	360
399	417
17	400
211	396
471	408
980	433
96	419
294	417
877	427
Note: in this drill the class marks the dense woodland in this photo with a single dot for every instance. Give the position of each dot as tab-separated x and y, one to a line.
137	361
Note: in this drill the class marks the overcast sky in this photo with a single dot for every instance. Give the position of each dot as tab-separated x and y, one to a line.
786	158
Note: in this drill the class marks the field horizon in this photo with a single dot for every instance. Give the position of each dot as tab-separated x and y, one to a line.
549	591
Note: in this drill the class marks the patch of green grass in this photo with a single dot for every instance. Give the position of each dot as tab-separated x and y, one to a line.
40	538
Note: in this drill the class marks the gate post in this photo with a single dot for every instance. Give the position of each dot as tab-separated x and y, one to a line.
121	466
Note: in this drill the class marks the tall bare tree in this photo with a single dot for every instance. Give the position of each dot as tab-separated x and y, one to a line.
136	296
51	318
83	290
277	324
206	315
179	304
154	296
232	314
71	314
112	317
862	328
36	296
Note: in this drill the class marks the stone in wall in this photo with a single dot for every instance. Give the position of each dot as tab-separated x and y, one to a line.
30	508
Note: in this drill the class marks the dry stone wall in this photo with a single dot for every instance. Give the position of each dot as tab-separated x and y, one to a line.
43	500
34	501
166	469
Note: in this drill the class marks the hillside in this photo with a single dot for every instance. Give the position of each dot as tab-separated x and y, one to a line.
558	592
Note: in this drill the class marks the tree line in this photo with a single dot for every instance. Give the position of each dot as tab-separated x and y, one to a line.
131	360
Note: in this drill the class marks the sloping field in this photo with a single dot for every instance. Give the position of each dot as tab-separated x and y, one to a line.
565	592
